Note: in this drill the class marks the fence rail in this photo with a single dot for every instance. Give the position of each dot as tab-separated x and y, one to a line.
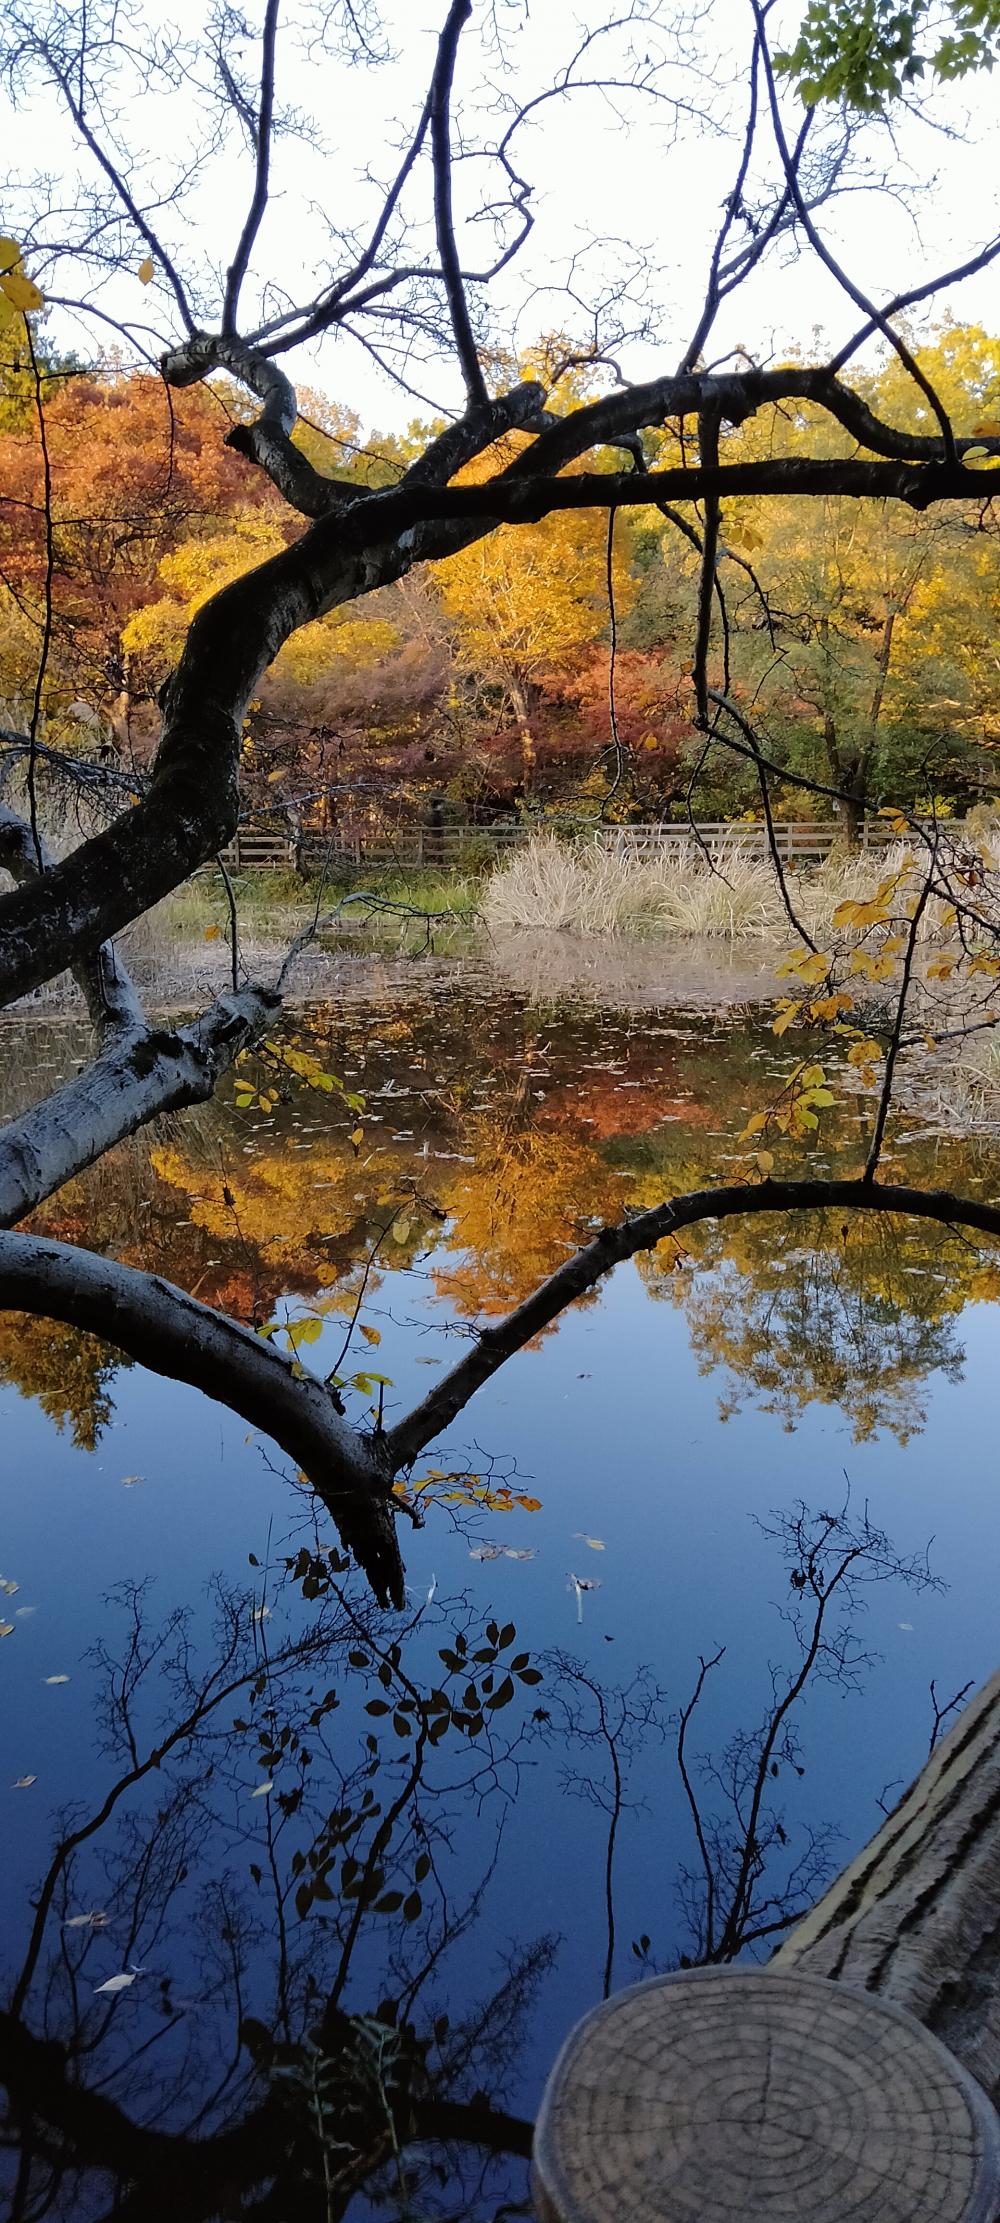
452	848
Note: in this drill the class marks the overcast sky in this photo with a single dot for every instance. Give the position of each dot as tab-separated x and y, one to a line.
630	170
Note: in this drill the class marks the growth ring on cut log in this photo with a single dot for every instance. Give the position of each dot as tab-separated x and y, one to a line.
743	2096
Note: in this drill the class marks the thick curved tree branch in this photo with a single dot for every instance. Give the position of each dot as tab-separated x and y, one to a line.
174	1335
255	214
444	222
495	1345
104	981
142	1072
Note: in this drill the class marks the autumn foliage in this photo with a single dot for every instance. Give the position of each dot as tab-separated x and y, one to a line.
862	636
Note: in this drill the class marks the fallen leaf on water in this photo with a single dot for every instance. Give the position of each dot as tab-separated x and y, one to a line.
24	1782
580	1536
578	1584
95	1920
486	1551
9	1589
129	1481
22	1612
50	1679
262	1790
6	1628
510	1551
904	1625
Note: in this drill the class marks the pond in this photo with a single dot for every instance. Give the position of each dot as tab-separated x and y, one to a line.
284	1871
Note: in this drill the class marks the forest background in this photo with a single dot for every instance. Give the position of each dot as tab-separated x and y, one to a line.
517	676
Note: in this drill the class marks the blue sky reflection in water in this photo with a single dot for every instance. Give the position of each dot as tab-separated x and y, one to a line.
497	1131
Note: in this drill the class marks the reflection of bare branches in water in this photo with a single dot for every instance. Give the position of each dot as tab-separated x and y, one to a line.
755	1875
302	1821
612	1726
250	1866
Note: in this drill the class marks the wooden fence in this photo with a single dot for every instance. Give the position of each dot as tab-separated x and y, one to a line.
457	848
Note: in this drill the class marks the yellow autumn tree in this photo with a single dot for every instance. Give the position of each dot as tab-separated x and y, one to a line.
875	648
526	599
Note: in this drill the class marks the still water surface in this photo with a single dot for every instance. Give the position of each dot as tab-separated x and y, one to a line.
217	1770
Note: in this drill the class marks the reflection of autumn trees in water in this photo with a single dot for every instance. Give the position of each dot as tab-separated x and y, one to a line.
859	1321
481	1163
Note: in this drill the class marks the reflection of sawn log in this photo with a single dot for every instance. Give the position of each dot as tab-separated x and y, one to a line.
916	1917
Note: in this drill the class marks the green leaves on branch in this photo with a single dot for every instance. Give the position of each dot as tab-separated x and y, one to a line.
869	55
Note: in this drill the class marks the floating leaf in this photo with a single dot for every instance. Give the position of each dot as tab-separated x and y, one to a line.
24	1782
595	1543
6	1628
53	1679
129	1480
118	1983
145	270
213	933
262	1789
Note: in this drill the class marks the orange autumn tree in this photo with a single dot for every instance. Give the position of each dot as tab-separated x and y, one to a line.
134	472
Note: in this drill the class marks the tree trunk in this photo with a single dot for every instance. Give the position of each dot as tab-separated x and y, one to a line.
916	1917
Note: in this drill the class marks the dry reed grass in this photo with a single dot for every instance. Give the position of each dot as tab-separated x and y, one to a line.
551	886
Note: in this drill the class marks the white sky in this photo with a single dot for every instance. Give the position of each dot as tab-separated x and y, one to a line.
596	174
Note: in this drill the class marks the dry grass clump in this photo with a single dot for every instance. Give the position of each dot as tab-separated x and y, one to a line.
582	887
586	888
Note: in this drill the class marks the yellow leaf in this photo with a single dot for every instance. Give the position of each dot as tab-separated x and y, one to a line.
303	1331
10	255
371	1335
808	965
213	933
146	270
21	292
357	1136
765	1162
400	1231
